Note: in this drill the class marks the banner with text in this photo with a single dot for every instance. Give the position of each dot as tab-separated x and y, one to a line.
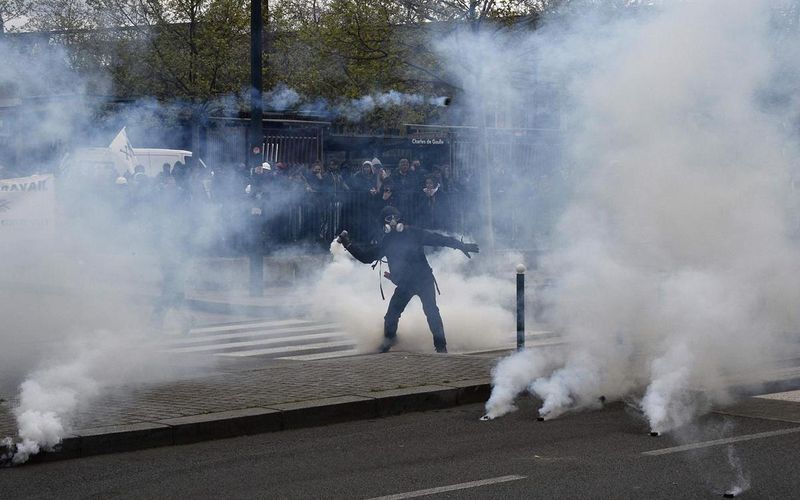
27	208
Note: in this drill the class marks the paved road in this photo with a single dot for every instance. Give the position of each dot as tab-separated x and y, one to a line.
448	454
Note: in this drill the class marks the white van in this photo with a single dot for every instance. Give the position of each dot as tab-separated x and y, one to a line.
94	163
152	159
121	158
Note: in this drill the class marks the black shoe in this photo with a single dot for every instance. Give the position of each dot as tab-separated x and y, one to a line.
441	350
388	343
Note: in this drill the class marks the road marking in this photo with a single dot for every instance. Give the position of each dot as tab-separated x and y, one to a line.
291	348
452	487
717	442
190	339
251	325
256	343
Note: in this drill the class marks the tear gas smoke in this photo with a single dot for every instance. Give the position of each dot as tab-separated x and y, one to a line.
512	375
88	366
720	468
476	307
76	301
283	98
90	274
741	481
674	258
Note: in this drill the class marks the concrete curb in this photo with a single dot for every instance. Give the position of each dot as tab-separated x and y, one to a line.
234	423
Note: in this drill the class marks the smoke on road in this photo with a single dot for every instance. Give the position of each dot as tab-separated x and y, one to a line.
80	277
674	259
476	306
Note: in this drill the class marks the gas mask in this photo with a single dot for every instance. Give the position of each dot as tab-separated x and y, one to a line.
393	224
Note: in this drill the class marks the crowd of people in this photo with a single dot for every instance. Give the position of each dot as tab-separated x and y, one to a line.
281	203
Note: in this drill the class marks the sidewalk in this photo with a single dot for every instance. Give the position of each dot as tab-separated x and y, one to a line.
294	394
276	397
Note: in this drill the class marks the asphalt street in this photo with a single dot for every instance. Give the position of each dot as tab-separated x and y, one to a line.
444	454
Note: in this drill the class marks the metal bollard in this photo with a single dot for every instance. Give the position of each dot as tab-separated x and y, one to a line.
520	307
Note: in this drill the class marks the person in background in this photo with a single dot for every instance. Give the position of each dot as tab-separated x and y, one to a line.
420	171
258	193
318	180
364	181
340	170
384	175
380	172
433	208
405	183
319	196
165	172
337	178
336	201
387	195
363	199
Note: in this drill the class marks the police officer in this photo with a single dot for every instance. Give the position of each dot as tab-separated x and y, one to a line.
403	247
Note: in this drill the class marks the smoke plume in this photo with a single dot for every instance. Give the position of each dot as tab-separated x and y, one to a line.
283	98
476	306
77	305
673	260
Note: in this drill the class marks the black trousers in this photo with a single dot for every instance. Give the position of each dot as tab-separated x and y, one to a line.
426	291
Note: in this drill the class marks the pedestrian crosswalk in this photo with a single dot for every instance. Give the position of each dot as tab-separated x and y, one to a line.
534	339
295	339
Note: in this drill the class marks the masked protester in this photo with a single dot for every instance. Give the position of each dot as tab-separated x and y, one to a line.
403	247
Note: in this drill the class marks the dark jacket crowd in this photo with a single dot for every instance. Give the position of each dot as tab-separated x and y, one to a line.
245	210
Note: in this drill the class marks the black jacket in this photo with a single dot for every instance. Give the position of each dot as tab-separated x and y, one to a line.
405	254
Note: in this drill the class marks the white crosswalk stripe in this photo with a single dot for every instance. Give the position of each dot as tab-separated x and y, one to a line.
294	339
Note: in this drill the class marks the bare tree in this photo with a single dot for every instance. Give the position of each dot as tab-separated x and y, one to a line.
12	11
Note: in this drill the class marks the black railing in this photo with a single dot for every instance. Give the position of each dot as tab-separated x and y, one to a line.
319	217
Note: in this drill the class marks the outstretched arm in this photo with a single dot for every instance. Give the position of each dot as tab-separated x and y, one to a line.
431	239
364	253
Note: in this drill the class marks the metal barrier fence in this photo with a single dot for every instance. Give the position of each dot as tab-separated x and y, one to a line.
294	146
319	217
523	192
226	142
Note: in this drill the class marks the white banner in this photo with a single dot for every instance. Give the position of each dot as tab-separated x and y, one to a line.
27	207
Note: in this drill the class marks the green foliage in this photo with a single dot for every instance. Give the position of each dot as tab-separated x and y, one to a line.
351	48
191	49
198	50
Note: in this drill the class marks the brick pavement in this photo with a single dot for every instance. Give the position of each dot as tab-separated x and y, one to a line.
271	385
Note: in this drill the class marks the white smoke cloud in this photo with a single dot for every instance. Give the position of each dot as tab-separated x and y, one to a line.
70	380
512	375
477	308
281	98
673	262
77	305
356	109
